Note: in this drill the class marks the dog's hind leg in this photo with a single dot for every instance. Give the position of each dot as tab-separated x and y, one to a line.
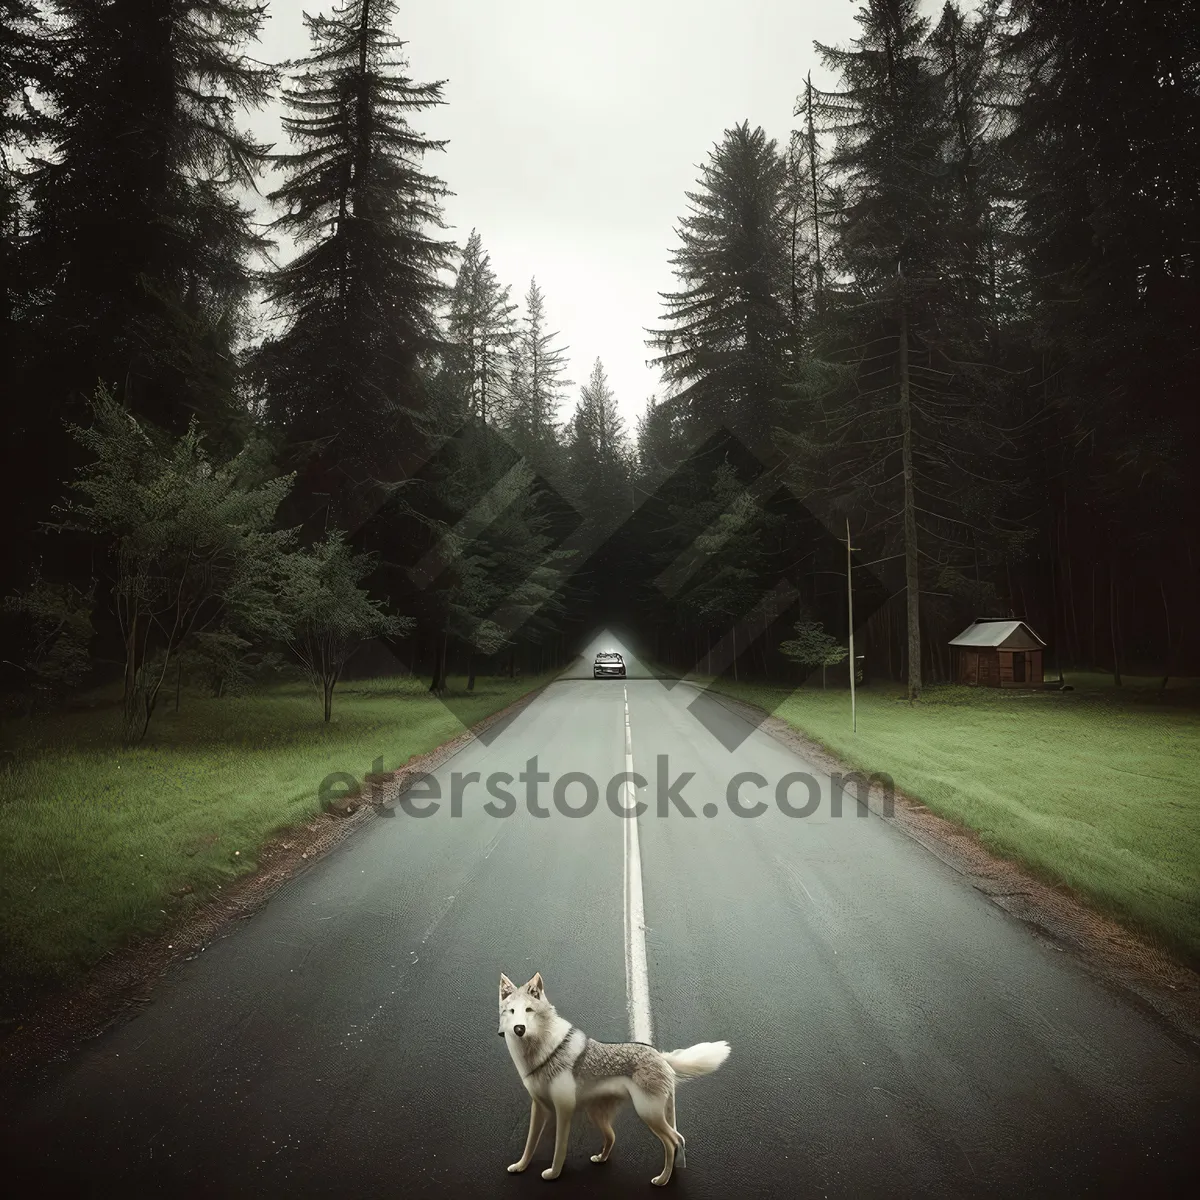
601	1113
538	1117
653	1111
680	1157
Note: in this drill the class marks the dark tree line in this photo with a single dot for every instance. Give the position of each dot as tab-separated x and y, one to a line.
402	413
957	312
953	315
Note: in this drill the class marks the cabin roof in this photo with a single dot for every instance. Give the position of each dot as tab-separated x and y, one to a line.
989	633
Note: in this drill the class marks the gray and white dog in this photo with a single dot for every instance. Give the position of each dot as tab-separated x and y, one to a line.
564	1069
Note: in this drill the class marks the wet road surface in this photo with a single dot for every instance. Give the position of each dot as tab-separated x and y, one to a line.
894	1033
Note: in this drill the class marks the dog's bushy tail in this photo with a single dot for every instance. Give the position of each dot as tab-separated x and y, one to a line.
701	1059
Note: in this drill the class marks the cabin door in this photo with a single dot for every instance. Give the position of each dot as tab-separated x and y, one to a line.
1018	666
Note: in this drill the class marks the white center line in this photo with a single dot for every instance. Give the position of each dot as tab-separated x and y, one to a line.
637	978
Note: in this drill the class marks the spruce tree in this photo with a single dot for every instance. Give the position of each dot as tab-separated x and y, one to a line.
723	347
24	61
535	392
661	442
359	299
598	453
481	330
24	64
140	244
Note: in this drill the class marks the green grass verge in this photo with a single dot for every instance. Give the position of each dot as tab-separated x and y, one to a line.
95	837
1098	788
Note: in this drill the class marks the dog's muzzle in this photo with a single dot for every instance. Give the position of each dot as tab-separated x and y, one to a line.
519	1030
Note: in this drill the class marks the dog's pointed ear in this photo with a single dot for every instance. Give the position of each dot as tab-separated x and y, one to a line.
507	987
535	986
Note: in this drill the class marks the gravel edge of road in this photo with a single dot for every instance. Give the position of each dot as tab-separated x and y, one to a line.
56	1024
1115	956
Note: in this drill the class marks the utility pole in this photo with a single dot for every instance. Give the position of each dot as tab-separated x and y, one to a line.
850	613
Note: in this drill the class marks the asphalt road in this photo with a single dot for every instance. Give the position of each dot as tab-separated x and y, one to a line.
894	1033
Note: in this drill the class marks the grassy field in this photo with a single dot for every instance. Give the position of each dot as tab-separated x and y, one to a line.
95	837
1098	788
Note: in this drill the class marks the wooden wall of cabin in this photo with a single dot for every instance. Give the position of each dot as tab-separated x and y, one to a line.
994	668
1033	668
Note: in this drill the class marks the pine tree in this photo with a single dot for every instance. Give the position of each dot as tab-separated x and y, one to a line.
481	330
661	442
598	453
24	61
359	299
808	202
535	391
140	244
724	346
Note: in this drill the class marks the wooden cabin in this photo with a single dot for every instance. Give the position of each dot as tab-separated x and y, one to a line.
998	652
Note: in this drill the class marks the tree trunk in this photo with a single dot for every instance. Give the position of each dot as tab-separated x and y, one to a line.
1072	610
818	280
1056	632
1162	687
178	682
328	697
437	683
471	670
131	657
1112	619
1093	633
910	518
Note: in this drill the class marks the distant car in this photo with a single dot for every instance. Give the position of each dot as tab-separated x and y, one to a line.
608	665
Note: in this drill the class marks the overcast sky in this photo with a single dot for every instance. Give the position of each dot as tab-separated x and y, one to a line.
576	128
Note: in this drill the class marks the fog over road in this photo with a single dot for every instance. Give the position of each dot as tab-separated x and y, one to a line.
894	1033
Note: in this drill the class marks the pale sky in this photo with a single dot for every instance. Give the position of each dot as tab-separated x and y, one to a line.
576	128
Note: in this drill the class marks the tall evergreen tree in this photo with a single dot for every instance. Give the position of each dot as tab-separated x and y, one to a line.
133	264
24	61
598	452
661	442
140	244
535	392
726	332
809	201
481	331
812	187
359	299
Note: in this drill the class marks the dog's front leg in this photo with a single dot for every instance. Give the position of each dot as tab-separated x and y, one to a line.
564	1110
539	1114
